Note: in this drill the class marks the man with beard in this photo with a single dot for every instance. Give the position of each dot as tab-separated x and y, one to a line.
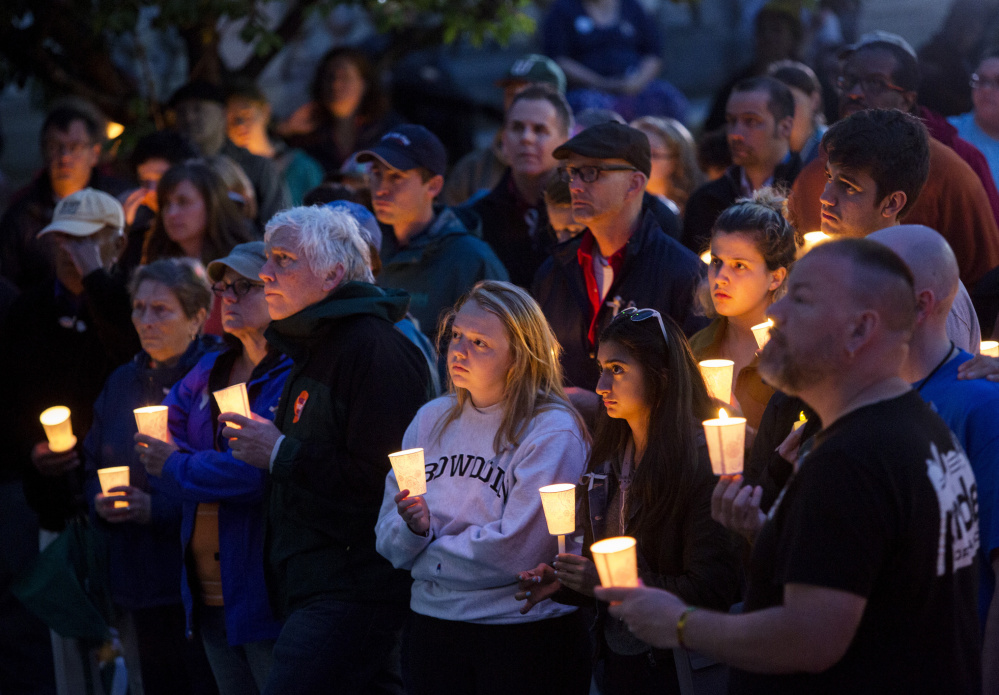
862	579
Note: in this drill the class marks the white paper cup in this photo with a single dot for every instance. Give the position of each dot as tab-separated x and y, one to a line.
233	399
990	348
616	561
559	503
58	428
718	378
761	332
152	421
726	444
113	477
410	472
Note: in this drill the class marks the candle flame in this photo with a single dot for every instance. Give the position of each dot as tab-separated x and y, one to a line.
722	415
114	130
801	416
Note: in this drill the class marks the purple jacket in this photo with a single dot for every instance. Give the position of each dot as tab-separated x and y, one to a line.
204	470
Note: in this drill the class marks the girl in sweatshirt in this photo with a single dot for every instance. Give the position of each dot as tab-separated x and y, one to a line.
504	430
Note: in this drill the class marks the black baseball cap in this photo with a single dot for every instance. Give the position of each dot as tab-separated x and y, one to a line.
407	147
610	141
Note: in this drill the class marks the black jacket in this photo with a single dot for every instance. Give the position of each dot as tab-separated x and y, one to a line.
708	201
657	273
355	385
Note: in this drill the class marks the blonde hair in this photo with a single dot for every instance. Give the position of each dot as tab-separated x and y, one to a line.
534	380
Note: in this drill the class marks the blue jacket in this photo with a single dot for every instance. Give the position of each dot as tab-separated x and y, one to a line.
145	559
204	470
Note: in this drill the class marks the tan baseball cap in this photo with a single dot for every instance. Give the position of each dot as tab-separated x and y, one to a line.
86	212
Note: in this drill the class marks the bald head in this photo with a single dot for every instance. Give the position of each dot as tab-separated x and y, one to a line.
878	280
930	259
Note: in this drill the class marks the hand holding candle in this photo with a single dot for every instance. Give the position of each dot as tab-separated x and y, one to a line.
726	437
116	476
559	503
718	378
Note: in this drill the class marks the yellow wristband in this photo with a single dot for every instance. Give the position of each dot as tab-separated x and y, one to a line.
682	623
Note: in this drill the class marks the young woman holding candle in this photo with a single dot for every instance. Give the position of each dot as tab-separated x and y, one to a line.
170	300
222	527
505	430
649	476
752	248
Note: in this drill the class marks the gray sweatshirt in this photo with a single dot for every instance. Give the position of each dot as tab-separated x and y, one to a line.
486	519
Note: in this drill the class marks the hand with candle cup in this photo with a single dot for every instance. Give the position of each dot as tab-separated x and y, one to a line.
650	614
414	512
52	464
737	507
252	440
153	453
138	509
576	572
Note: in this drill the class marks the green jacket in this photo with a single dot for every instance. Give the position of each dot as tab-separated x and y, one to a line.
355	386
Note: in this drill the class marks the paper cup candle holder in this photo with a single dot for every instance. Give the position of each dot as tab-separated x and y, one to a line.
559	503
58	429
726	443
113	477
718	378
152	421
410	472
233	400
616	561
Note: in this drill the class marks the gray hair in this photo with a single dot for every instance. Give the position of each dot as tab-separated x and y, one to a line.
326	238
185	277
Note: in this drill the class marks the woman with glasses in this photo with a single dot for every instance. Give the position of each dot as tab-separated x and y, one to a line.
649	477
752	249
505	430
980	126
222	529
170	300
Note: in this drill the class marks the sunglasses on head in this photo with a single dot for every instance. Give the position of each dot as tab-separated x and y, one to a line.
636	314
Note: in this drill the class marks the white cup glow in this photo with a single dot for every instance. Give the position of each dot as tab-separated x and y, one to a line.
153	421
113	477
761	332
990	348
58	428
559	503
718	378
616	561
410	471
233	399
726	438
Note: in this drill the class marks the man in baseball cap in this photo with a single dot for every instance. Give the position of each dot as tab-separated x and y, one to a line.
623	259
431	252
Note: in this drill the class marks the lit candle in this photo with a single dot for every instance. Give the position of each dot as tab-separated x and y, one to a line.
58	429
811	240
559	503
990	348
233	399
706	257
410	471
152	421
761	332
801	421
616	561
113	477
726	443
718	378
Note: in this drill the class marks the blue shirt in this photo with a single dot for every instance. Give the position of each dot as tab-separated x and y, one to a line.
970	131
971	410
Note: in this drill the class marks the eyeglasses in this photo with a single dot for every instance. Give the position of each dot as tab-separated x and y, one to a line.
587	174
979	82
641	314
240	287
870	84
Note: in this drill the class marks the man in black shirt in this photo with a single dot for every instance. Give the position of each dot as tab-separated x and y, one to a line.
863	577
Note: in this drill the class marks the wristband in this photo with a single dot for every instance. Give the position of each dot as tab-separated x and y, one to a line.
681	624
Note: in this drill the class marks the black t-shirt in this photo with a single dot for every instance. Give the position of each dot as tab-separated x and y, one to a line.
884	507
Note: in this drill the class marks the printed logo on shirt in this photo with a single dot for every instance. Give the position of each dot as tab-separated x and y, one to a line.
951	476
470	466
300	405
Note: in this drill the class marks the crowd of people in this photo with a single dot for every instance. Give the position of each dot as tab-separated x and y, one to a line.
532	313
